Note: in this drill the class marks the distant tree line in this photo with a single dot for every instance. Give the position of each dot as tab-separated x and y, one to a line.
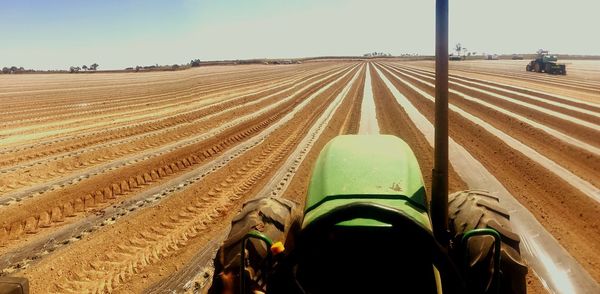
462	51
195	62
92	67
157	67
377	54
13	70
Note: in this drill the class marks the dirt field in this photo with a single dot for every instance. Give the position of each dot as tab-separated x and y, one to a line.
124	182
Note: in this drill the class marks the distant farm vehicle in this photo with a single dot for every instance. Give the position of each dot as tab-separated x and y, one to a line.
544	62
456	58
491	57
517	57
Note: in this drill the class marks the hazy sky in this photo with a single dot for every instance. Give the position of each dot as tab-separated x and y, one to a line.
53	34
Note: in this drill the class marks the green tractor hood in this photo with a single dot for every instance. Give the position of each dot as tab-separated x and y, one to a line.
381	169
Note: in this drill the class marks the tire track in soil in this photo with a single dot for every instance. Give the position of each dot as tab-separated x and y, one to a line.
577	85
127	257
394	121
24	256
231	134
197	272
112	133
62	128
525	76
116	105
544	111
67	203
151	102
500	87
31	191
16	177
530	87
352	118
580	161
583	186
52	208
546	254
584	112
204	112
116	131
565	212
115	80
118	80
130	101
425	128
464	92
368	116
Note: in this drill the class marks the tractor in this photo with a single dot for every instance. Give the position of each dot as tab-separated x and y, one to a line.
547	63
368	225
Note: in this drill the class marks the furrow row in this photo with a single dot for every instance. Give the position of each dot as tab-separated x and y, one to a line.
578	156
184	126
139	173
200	211
549	196
137	128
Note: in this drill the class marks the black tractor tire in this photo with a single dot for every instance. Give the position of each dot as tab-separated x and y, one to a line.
277	218
528	67
476	209
538	68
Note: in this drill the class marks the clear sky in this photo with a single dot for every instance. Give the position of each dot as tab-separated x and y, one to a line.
54	34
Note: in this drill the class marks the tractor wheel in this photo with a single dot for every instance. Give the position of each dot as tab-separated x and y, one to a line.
475	209
528	67
276	218
538	68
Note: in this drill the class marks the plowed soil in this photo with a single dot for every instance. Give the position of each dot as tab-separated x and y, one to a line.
114	182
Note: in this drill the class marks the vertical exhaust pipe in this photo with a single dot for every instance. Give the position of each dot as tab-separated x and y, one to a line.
439	185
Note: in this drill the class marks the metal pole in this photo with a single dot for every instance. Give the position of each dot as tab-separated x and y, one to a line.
439	185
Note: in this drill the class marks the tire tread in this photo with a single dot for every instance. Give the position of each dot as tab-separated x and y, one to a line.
475	209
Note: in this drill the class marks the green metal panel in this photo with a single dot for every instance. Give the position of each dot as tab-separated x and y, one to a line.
415	212
378	168
549	58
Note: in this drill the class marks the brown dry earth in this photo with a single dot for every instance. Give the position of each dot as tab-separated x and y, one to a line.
152	105
567	213
578	160
150	135
100	189
166	123
393	120
581	82
213	197
132	174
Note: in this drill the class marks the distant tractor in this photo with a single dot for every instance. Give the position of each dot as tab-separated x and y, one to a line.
547	63
517	57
